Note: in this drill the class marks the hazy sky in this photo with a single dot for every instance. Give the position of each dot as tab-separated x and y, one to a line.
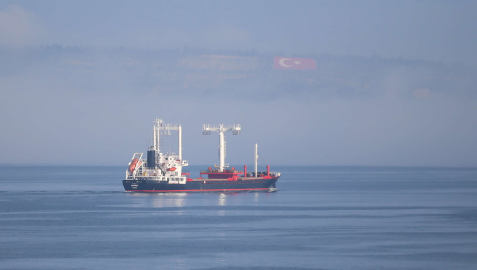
51	115
431	30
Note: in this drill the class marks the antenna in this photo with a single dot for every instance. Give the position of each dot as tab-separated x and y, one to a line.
235	128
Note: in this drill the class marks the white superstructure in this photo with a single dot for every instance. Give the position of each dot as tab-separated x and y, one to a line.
159	166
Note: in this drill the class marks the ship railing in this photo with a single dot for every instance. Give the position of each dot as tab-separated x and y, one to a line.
217	171
226	165
147	177
261	174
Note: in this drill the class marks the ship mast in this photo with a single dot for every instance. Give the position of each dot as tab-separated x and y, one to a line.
158	123
206	129
256	159
167	131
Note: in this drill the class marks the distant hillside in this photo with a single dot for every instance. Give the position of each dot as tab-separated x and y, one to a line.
237	74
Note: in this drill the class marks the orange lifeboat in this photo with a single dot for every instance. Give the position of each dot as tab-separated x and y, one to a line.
135	163
172	169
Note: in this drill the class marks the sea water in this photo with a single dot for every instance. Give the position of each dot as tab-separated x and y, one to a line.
321	218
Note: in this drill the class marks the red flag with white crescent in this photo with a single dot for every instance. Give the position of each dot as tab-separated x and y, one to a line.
293	63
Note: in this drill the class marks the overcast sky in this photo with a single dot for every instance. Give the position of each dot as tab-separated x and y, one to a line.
45	116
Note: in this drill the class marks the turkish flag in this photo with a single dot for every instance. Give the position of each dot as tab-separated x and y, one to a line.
293	63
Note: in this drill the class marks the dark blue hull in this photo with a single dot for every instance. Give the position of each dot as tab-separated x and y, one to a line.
202	185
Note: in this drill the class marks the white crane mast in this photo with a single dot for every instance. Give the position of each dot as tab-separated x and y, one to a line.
167	131
157	125
235	128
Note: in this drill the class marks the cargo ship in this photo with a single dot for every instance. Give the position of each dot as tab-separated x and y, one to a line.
162	172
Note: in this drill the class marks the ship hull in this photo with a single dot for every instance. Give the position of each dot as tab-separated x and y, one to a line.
202	185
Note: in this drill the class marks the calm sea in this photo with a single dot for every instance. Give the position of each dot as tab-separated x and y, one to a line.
321	218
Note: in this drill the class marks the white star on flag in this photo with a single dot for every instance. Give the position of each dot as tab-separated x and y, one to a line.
280	62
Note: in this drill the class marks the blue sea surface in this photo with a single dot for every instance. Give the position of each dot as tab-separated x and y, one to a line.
321	218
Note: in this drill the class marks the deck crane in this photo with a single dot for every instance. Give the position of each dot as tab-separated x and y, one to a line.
206	130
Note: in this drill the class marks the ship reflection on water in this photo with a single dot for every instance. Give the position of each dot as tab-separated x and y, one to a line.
159	200
222	199
166	200
163	200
